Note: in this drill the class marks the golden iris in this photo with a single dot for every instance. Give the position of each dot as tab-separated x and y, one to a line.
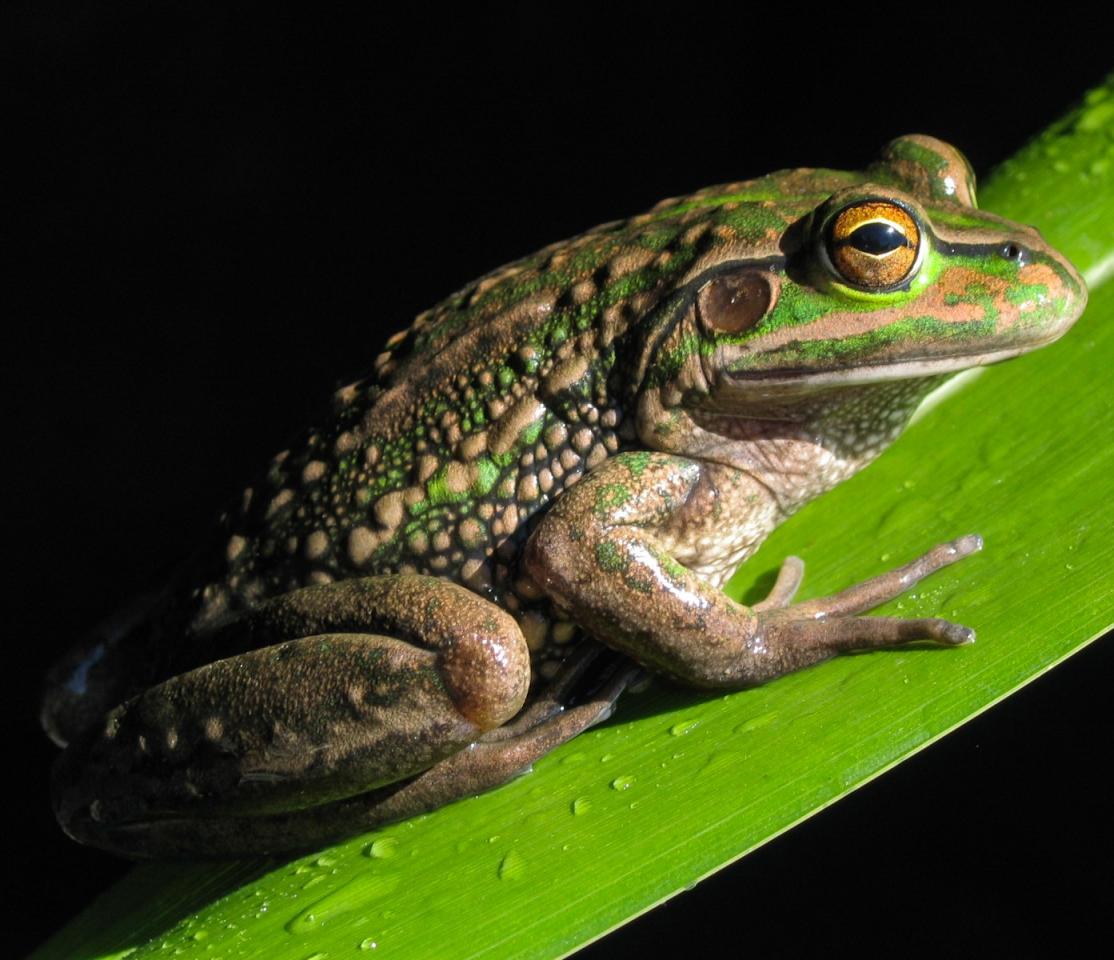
874	244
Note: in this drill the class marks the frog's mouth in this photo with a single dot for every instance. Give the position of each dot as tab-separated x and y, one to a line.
866	373
862	371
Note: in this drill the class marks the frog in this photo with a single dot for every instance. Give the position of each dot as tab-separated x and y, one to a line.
534	499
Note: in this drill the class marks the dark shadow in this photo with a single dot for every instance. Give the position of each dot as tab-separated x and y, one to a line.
761	587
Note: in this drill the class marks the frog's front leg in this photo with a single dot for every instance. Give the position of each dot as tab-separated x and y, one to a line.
603	552
388	677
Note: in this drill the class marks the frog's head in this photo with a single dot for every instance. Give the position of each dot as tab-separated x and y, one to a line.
888	275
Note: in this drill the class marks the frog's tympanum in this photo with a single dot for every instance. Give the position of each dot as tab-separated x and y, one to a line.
538	492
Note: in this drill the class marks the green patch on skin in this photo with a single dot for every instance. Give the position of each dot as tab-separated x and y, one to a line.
756	195
979	295
671	568
797	306
919	154
657	239
990	266
626	287
671	360
637	461
438	492
639	584
487	474
753	222
532	431
1027	291
610	558
559	331
959	219
609	497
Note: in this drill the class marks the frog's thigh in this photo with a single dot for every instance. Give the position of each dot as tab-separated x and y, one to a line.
308	721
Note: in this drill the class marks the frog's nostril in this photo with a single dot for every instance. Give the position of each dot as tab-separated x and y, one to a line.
1011	251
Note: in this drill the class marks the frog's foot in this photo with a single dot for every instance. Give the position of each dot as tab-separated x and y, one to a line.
562	691
502	754
389	676
805	633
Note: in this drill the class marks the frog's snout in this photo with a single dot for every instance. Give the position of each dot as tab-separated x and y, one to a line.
1046	280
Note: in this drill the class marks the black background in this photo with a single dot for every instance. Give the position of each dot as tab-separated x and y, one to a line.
219	214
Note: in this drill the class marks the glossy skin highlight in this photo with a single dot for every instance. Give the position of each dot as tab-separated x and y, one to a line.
569	456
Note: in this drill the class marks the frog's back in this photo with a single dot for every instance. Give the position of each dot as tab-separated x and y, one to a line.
475	418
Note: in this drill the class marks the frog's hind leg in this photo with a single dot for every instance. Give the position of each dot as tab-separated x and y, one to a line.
389	676
493	759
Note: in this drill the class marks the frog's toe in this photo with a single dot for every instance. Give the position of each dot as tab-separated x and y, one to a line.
785	588
955	634
888	586
965	546
786	641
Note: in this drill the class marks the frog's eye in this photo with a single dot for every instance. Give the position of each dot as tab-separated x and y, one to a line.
873	244
734	302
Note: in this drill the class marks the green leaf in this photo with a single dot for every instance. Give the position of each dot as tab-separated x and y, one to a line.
677	785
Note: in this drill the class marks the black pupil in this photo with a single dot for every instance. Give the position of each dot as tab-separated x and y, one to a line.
877	238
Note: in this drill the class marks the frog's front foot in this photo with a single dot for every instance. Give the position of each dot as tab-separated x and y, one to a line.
804	633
